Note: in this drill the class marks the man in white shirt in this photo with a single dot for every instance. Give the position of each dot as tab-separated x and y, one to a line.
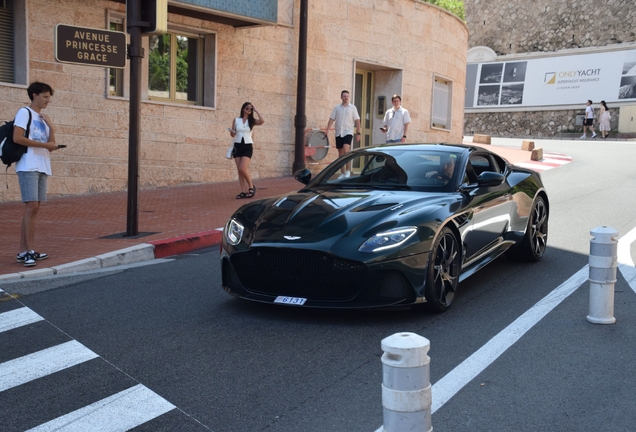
396	122
346	117
34	166
589	120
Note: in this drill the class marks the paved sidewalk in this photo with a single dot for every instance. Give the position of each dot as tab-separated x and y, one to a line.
71	229
74	230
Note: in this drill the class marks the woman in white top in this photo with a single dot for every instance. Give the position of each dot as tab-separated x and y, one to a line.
241	131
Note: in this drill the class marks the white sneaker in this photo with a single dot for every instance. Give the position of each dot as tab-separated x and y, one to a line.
594	136
347	174
583	136
341	176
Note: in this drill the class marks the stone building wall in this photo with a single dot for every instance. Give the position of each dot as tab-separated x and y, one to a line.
521	26
187	144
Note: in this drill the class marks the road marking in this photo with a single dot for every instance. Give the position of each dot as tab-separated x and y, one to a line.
119	412
456	379
42	363
18	318
549	161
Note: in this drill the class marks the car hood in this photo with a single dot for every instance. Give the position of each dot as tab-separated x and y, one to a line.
322	216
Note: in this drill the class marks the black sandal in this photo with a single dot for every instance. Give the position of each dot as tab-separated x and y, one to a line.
242	195
251	192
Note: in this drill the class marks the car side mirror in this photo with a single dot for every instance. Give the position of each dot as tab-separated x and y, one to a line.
490	178
303	176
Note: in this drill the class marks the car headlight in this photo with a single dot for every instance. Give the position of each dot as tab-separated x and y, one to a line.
388	239
234	232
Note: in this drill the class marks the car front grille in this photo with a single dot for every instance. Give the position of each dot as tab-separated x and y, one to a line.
299	273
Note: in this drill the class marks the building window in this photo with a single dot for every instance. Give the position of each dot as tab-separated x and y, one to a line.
442	103
6	41
175	68
116	76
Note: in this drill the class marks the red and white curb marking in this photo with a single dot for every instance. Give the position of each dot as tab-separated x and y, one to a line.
549	161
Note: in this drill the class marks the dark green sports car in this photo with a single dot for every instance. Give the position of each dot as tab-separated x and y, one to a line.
384	226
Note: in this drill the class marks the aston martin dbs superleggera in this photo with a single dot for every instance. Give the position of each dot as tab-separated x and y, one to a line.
405	227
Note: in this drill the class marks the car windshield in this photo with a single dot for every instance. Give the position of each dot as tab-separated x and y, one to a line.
420	169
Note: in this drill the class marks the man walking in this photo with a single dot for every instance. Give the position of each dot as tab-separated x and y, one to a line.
589	120
396	122
346	117
35	165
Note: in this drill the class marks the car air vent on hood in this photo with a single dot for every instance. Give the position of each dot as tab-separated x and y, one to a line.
376	207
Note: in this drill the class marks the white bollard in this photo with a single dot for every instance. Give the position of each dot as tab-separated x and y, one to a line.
406	383
603	263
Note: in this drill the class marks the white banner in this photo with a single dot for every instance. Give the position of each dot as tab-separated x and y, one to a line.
564	80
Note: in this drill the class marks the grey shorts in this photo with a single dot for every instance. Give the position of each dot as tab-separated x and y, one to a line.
32	185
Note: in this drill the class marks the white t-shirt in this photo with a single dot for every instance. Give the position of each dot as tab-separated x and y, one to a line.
589	112
345	117
395	120
35	158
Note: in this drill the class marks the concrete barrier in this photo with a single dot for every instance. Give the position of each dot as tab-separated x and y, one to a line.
527	145
537	154
603	263
406	383
481	139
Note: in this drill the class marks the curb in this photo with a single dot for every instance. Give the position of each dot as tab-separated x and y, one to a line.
133	254
187	243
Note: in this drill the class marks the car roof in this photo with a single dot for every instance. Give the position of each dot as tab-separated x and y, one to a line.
444	147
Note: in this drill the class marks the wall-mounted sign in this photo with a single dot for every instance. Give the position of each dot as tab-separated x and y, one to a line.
90	46
559	80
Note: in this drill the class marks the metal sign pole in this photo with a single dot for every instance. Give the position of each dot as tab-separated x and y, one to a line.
135	53
300	122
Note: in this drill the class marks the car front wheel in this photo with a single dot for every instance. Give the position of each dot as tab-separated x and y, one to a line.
443	270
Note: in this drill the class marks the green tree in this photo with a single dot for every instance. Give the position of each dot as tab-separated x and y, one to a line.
453	6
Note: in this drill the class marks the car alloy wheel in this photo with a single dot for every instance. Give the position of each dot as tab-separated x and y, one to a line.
443	271
538	229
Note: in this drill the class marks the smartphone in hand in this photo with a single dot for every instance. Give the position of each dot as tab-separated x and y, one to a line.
231	130
61	146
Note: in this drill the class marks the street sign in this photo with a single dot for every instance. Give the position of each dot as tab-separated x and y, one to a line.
89	46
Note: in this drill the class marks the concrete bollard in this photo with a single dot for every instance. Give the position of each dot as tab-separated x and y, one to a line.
537	154
406	383
527	145
481	139
603	263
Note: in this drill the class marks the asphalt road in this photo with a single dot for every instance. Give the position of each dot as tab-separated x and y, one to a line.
207	361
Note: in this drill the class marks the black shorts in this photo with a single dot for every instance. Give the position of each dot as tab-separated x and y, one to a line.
588	122
341	141
243	150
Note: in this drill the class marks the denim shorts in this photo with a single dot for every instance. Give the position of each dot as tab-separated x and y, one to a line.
32	185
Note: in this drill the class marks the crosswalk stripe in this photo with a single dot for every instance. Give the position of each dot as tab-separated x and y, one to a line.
18	318
119	412
39	364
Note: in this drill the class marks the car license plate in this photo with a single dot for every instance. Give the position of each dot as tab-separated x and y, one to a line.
290	300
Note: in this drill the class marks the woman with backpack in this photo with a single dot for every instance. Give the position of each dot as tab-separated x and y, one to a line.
34	166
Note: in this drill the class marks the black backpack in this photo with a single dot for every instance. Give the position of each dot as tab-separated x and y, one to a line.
11	152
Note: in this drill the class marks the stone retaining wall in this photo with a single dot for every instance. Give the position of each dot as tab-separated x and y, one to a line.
536	124
520	26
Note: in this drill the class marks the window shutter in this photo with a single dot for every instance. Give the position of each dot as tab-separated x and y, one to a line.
6	41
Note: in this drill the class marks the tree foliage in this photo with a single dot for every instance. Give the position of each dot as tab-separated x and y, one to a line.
453	6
